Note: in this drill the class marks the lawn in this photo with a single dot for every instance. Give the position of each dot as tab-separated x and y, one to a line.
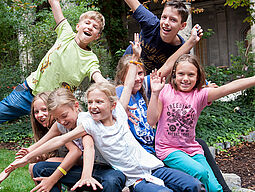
19	180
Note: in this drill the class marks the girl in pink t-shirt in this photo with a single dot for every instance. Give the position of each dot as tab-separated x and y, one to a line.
176	107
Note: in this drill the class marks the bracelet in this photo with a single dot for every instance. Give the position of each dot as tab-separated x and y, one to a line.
136	63
62	170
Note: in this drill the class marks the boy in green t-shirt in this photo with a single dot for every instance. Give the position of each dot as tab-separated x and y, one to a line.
66	64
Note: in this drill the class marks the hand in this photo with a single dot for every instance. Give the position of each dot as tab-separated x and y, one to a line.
89	182
45	184
17	163
196	33
157	82
21	153
136	46
3	176
131	116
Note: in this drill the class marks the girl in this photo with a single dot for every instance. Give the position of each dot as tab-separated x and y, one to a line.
106	123
176	108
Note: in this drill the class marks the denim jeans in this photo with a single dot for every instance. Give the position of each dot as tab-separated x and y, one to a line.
112	180
174	180
17	104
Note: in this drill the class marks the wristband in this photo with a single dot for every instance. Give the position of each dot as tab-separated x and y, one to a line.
136	63
62	170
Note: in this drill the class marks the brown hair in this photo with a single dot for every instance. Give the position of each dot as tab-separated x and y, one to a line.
96	16
107	88
193	60
180	7
121	72
37	128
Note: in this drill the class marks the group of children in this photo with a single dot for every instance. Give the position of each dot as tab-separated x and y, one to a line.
114	144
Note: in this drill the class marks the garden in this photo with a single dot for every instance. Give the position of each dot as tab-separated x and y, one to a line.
26	35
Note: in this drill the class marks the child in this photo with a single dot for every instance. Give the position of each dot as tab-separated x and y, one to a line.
106	122
159	37
47	172
66	64
176	108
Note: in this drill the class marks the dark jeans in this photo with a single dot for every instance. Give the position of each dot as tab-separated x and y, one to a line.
112	180
17	104
211	161
174	180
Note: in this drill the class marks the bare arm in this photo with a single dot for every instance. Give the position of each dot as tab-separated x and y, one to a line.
88	163
232	87
133	4
97	77
131	73
196	34
56	10
155	105
46	183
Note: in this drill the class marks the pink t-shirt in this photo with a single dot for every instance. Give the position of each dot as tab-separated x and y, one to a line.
176	126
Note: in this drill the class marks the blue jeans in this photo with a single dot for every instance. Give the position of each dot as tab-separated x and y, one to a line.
112	180
196	166
174	180
17	104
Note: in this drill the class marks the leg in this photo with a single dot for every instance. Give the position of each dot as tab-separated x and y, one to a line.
145	186
112	180
177	180
213	165
17	104
213	183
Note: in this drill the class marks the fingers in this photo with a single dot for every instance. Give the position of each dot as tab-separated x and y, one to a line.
198	30
21	153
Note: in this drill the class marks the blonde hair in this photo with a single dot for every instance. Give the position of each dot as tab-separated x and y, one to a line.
193	60
107	88
96	16
60	97
38	129
122	70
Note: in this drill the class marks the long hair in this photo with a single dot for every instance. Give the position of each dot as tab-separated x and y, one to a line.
193	60
121	73
38	130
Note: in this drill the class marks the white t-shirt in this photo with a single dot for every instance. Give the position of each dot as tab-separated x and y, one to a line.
119	147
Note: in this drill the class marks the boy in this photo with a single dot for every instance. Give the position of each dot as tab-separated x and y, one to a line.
66	64
159	37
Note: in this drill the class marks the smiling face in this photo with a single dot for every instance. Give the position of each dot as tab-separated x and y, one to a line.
100	107
170	24
186	76
67	115
138	80
88	30
40	112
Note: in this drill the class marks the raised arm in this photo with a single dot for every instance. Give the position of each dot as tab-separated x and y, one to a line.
133	4
131	73
50	145
196	34
88	163
71	158
56	10
232	87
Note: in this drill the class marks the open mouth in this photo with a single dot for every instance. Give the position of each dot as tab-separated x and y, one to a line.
87	34
166	30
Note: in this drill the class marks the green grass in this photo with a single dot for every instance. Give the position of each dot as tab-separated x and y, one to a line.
19	180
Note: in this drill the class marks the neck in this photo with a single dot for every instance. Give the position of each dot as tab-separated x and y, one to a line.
81	44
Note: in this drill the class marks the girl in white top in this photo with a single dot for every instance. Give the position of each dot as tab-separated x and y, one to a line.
106	125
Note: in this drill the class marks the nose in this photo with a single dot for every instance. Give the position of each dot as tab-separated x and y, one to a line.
185	78
166	21
90	27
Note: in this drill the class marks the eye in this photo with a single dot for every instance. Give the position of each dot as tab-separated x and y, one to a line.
36	112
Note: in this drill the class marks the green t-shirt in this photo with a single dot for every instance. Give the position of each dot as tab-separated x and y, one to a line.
65	64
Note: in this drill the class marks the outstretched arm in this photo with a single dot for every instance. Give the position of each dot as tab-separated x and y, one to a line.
131	73
155	105
196	34
50	145
133	4
56	10
232	87
88	162
46	183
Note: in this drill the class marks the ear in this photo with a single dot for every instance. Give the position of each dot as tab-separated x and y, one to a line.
113	105
98	35
76	105
183	25
77	27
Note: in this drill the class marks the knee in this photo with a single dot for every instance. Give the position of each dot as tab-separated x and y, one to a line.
39	169
30	169
113	180
202	174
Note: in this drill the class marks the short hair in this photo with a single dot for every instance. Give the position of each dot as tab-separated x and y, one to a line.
60	97
193	60
180	7
96	16
107	88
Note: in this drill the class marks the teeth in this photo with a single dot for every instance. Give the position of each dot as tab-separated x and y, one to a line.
87	34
